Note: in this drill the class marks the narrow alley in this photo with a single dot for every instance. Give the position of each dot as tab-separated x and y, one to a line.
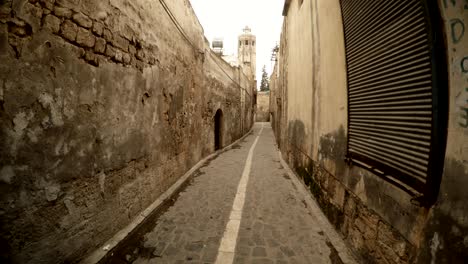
233	131
246	183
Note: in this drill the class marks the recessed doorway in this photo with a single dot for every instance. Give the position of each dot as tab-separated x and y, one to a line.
218	126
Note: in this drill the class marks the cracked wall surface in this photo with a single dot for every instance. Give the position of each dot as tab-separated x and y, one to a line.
103	105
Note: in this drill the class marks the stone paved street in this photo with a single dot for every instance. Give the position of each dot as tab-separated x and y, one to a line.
276	224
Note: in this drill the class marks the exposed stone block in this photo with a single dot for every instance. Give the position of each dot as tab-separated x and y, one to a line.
69	30
140	55
98	28
369	232
395	244
132	49
82	20
100	46
52	23
4	12
140	65
91	58
350	207
85	38
118	56
110	51
66	3
108	36
62	12
34	11
126	58
120	42
49	4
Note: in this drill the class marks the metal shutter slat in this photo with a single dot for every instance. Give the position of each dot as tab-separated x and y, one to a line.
389	122
384	103
378	98
419	78
390	55
405	87
398	94
387	108
416	64
395	63
394	128
415	170
402	141
418	137
413	24
369	19
414	37
408	157
376	117
393	113
390	162
415	70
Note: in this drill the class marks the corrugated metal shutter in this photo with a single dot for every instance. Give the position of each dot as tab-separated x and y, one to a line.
390	87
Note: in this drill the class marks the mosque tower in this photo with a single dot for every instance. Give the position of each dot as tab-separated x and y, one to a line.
247	52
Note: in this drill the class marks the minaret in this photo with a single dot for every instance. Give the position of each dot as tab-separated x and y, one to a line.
247	52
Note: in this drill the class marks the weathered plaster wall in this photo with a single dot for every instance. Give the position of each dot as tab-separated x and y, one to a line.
263	107
378	219
103	105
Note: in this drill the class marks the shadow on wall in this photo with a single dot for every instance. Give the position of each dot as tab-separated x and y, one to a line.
333	147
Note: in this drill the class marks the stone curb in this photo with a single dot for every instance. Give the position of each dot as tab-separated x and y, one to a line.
335	239
101	252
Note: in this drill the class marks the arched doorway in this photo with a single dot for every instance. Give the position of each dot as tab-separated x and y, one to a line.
218	129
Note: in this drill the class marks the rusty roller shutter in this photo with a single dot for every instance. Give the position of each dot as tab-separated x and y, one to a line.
390	87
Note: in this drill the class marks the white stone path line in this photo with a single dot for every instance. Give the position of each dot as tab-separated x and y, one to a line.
227	247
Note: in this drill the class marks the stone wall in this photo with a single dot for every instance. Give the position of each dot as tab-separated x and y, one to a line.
380	221
103	105
263	107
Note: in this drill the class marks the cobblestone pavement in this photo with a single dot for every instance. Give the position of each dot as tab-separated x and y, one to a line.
276	225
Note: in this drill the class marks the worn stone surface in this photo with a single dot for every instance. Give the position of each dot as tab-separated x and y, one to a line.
85	38
90	135
62	12
82	20
69	30
276	226
52	22
100	46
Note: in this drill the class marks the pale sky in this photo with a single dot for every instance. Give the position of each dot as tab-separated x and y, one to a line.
227	18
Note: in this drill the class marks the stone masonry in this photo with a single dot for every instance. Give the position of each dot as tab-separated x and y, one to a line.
103	106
